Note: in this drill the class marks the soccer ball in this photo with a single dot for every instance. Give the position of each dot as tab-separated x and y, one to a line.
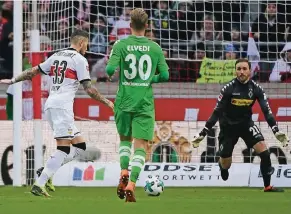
154	186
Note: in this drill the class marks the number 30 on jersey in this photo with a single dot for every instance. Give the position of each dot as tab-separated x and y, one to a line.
143	69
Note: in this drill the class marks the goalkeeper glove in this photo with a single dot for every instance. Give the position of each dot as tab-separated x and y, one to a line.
282	137
198	138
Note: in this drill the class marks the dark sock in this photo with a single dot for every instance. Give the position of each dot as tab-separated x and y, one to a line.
266	167
81	146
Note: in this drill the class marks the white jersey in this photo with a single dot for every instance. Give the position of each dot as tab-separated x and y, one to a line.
66	69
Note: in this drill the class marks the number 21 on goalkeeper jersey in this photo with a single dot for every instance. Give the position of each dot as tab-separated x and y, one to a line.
66	69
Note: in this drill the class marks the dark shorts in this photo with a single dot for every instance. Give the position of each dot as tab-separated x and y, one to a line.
229	135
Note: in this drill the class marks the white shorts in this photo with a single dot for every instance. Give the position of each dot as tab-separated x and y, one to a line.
62	123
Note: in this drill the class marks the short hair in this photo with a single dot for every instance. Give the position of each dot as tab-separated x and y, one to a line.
139	18
242	60
79	34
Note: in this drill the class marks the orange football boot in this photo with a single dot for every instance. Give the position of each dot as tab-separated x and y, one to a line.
123	181
129	192
272	189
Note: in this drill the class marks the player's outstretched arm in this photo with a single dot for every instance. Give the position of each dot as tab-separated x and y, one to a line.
28	74
264	104
222	100
94	94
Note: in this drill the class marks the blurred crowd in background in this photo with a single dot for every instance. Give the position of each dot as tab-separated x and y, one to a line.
188	31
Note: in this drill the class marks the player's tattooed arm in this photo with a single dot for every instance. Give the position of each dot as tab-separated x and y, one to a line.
28	74
94	93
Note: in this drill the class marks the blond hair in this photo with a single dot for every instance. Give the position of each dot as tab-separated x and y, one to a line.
139	19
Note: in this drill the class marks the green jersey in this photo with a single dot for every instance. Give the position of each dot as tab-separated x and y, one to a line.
138	59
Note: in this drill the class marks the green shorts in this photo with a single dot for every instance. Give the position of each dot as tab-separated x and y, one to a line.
139	125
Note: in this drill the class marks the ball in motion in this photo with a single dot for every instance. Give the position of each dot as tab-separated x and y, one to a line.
154	186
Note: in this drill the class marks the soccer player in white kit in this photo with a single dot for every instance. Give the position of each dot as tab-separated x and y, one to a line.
67	69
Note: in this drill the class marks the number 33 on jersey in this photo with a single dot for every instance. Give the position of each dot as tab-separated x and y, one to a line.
138	59
66	69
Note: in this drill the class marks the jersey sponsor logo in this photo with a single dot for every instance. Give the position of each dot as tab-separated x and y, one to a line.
241	102
235	93
142	84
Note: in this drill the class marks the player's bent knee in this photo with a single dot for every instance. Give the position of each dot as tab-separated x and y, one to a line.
260	147
80	145
140	143
225	162
125	138
65	149
77	139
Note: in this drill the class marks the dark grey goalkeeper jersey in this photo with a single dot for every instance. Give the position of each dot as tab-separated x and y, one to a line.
235	102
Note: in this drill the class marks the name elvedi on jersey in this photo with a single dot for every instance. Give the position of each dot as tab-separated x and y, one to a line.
138	48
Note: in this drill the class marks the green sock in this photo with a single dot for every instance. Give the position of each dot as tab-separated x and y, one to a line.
137	163
124	154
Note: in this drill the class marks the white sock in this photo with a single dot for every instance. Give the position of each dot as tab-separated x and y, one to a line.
74	153
54	162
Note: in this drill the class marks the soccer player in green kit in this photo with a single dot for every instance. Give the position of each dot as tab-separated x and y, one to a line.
138	59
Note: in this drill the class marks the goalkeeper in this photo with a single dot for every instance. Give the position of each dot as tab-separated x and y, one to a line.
138	59
234	112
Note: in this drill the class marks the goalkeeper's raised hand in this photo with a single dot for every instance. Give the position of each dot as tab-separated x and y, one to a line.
199	137
282	137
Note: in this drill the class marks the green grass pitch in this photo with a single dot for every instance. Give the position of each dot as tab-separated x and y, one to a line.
77	200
